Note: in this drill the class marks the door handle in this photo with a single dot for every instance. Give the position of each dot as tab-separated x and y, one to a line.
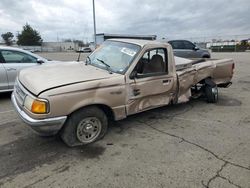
166	82
10	69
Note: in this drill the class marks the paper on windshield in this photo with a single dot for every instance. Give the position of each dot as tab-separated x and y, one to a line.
128	51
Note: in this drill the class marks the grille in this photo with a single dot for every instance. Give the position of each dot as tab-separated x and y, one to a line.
19	93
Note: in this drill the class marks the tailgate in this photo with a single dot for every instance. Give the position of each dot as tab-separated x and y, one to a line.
223	72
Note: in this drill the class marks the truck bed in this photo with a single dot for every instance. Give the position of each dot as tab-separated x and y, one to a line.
191	72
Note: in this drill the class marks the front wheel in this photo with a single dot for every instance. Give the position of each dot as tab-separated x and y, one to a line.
84	126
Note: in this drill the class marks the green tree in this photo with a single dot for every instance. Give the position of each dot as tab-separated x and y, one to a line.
67	40
29	37
8	38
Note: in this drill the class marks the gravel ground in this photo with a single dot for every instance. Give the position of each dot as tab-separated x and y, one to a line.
191	145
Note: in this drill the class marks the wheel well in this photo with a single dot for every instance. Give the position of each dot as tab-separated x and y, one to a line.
204	80
207	81
106	109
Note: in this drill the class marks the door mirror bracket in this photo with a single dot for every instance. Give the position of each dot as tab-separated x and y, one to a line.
133	75
196	48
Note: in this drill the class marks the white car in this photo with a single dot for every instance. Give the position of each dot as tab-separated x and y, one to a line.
12	60
85	50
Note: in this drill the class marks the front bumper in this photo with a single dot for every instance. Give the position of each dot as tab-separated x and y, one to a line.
45	127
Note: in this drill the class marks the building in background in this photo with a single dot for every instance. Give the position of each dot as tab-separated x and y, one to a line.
229	45
60	46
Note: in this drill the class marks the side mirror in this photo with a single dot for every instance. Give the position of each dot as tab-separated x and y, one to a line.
39	61
196	48
133	75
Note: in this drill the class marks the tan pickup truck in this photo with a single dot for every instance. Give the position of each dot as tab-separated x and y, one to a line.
120	78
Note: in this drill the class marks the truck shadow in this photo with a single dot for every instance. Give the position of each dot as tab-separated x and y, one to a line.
171	111
4	96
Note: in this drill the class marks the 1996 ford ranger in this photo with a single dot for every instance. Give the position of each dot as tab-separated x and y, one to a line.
120	78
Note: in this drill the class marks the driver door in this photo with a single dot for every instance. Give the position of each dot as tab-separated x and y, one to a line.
14	62
190	49
151	85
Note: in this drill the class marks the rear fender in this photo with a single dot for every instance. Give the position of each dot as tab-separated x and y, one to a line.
209	82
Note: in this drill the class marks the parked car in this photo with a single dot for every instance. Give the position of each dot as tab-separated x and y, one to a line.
12	60
86	49
121	78
186	49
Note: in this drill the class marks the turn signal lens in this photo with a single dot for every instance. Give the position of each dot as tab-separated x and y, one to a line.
39	107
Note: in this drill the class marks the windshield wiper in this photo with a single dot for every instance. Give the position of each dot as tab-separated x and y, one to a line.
107	65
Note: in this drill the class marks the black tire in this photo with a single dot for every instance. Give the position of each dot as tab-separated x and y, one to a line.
211	93
206	56
70	131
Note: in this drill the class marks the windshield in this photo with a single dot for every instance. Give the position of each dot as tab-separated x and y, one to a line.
113	55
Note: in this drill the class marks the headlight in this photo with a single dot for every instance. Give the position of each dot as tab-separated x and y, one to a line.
37	106
28	101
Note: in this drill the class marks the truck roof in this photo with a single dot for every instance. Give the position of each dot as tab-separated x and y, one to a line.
140	42
126	36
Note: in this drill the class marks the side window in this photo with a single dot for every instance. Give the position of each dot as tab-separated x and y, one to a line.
1	58
17	57
188	45
177	45
153	62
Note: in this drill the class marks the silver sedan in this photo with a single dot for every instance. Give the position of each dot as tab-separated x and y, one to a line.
186	49
12	60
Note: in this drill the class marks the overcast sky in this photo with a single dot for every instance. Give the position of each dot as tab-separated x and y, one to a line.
170	19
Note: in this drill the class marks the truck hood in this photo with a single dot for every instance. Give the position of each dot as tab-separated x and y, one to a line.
48	76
